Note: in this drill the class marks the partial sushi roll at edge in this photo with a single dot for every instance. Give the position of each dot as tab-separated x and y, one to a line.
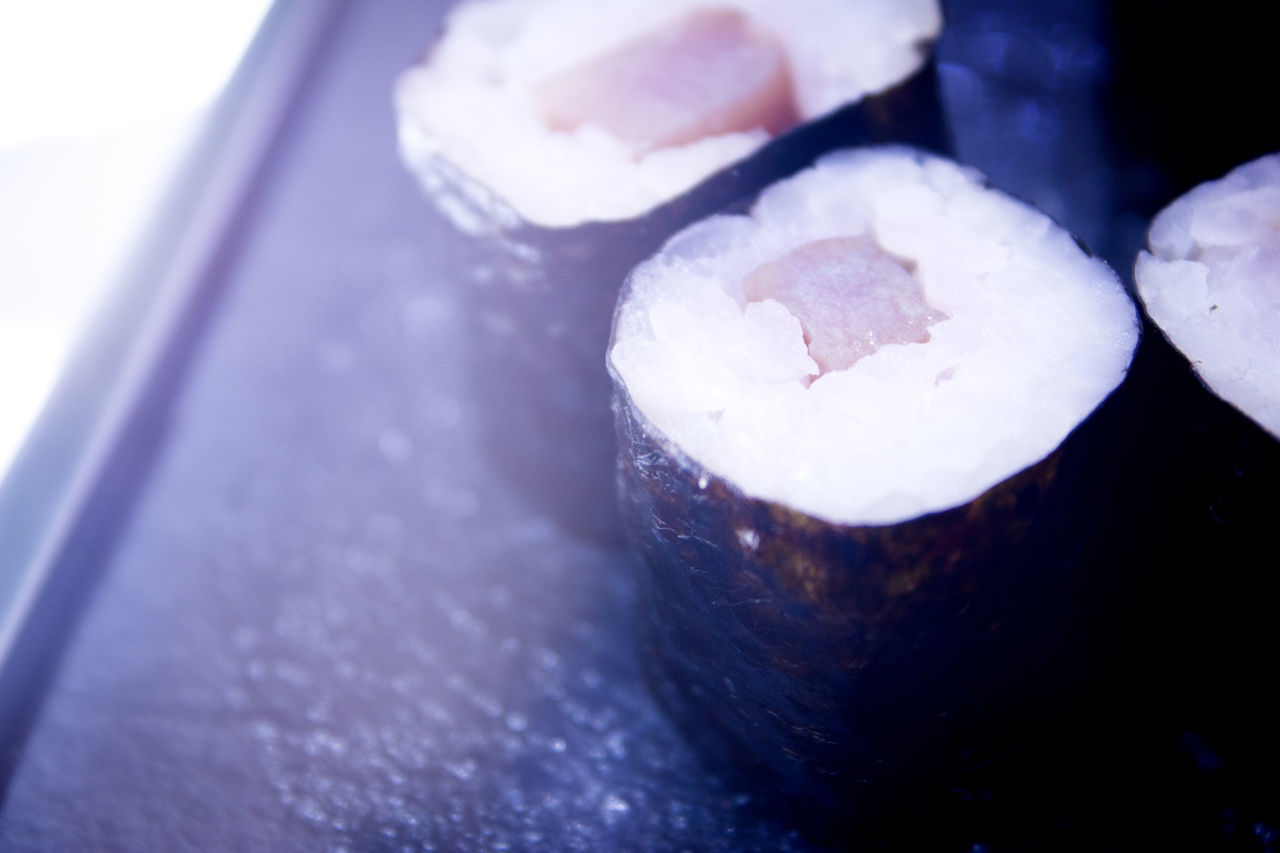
511	127
1210	283
862	578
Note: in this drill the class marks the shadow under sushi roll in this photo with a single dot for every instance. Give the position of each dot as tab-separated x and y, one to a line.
874	671
539	286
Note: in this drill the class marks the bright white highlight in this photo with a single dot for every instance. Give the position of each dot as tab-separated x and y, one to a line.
97	102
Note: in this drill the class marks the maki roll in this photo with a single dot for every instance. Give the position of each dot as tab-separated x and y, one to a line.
865	456
567	139
1211	284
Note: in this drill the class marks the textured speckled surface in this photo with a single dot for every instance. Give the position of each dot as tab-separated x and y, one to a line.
329	623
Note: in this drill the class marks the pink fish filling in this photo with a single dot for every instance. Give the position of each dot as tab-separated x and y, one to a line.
710	73
850	297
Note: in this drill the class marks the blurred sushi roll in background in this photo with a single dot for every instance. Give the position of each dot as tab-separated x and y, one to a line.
868	456
568	138
1210	282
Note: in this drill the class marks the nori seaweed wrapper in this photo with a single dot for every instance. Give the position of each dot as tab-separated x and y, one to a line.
1209	625
863	665
540	300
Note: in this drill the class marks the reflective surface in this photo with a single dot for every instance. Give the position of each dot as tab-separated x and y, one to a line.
328	623
98	112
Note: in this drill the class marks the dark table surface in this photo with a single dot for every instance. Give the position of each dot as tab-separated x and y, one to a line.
327	623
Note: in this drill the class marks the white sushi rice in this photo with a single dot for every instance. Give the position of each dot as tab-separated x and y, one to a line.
470	102
1037	334
1212	282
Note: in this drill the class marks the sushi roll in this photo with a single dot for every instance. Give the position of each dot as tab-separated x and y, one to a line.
1210	283
566	139
866	451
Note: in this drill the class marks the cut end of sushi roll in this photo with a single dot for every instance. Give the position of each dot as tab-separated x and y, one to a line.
882	337
1211	282
572	111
